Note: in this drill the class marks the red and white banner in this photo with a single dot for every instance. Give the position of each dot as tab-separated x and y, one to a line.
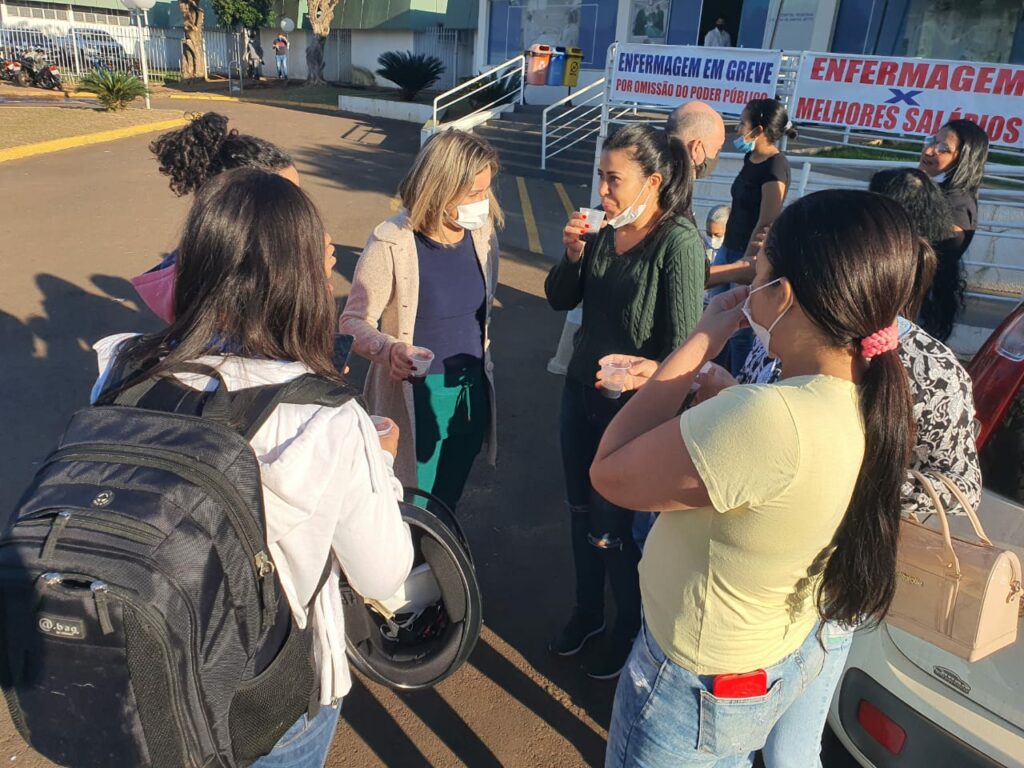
668	75
911	96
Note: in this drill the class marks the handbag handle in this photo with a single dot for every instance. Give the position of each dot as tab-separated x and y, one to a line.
971	514
952	561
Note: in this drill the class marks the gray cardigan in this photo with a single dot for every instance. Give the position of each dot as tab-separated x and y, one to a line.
381	311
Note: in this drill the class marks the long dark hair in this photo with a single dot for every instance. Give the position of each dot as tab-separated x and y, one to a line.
851	258
205	147
250	281
770	116
968	170
656	152
928	211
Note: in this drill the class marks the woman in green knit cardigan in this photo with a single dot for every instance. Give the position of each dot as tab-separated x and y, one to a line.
641	280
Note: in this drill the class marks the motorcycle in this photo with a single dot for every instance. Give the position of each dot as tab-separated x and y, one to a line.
39	71
10	71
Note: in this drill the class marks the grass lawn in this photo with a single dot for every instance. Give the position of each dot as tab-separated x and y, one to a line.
30	125
854	152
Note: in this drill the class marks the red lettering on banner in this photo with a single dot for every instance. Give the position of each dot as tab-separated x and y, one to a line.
804	108
817	67
939	78
912	75
910	120
887	72
983	83
839	112
1009	83
868	75
1013	126
819	110
963	78
835	69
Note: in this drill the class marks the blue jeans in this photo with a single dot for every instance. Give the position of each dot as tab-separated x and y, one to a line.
585	415
665	715
282	66
788	743
306	743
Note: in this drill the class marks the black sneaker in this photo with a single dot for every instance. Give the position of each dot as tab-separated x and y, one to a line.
609	660
574	636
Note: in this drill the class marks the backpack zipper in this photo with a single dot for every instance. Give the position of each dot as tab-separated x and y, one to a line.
91	520
245	527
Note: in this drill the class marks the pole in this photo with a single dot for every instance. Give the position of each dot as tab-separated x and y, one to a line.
142	58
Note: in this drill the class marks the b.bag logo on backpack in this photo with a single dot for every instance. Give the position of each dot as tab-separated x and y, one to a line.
58	626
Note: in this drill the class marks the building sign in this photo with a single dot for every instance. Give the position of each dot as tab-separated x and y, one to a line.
664	75
912	96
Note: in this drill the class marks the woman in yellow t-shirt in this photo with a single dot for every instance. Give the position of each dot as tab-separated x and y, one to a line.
782	501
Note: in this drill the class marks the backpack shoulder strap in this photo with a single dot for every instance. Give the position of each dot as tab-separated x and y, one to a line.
252	407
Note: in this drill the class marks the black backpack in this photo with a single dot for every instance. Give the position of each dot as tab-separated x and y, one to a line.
141	621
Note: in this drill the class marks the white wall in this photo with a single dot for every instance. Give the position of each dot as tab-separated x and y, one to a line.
367	45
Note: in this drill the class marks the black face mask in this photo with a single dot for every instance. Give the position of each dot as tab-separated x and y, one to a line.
706	168
719	26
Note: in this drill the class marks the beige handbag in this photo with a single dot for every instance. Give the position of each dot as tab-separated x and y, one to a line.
962	596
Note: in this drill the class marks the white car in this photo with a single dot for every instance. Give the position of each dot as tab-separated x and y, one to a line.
901	700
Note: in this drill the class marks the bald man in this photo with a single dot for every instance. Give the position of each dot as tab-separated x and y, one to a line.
702	131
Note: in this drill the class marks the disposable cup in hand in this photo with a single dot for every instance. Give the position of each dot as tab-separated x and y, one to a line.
422	359
614	379
593	218
382	424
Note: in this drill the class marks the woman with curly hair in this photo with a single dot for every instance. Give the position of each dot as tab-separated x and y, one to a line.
191	156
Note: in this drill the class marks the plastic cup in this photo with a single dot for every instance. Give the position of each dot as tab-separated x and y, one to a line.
382	424
593	218
422	359
614	379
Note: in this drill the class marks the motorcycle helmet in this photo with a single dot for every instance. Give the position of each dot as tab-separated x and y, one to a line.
423	633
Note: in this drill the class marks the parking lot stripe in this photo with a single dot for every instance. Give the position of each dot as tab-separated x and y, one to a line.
532	236
566	202
70	142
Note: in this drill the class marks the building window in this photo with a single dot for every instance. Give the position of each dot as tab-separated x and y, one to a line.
586	24
953	29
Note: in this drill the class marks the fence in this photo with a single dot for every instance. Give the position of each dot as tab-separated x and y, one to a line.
78	49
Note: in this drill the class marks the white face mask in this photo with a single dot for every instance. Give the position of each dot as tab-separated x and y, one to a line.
474	215
631	214
716	242
764	335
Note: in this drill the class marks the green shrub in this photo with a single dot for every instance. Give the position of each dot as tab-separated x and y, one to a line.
113	90
410	72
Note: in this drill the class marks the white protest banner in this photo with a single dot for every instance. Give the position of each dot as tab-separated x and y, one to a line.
912	96
668	75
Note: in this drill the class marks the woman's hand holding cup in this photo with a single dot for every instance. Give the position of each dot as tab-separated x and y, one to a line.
388	434
640	370
402	364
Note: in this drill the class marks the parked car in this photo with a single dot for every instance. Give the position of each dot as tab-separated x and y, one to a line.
98	49
904	702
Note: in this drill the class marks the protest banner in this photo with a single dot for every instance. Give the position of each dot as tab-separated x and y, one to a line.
668	75
910	96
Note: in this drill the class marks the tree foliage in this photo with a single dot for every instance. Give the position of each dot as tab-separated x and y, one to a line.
242	13
411	72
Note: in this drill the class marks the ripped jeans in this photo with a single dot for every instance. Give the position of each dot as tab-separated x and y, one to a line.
602	533
665	715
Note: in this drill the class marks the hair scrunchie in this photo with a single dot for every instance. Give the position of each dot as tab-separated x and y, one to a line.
880	342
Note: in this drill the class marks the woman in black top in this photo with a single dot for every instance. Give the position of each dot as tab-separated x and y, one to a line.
641	281
958	153
757	196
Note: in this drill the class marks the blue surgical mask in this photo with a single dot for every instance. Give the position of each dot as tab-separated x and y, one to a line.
743	145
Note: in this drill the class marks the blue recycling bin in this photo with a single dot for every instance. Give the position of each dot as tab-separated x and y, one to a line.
556	69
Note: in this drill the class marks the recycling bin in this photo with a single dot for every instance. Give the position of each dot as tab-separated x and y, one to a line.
556	67
573	60
538	58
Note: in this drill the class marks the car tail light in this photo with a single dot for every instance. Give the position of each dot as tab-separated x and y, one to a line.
997	372
879	727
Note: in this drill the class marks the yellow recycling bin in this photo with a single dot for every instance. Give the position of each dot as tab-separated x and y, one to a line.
573	59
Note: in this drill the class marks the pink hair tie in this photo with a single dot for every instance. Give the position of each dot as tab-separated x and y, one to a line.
880	342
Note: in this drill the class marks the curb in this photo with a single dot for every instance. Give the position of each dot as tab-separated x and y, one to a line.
263	102
70	142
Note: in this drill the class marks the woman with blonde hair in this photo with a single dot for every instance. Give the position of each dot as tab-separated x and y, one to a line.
420	310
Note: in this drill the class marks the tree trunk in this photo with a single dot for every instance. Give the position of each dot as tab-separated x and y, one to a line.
193	59
315	59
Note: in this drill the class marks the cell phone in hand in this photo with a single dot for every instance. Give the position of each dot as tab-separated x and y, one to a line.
342	351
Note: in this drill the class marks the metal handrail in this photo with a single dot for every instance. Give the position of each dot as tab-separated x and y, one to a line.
597	85
491	78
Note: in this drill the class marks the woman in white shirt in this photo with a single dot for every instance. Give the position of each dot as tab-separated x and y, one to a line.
253	300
